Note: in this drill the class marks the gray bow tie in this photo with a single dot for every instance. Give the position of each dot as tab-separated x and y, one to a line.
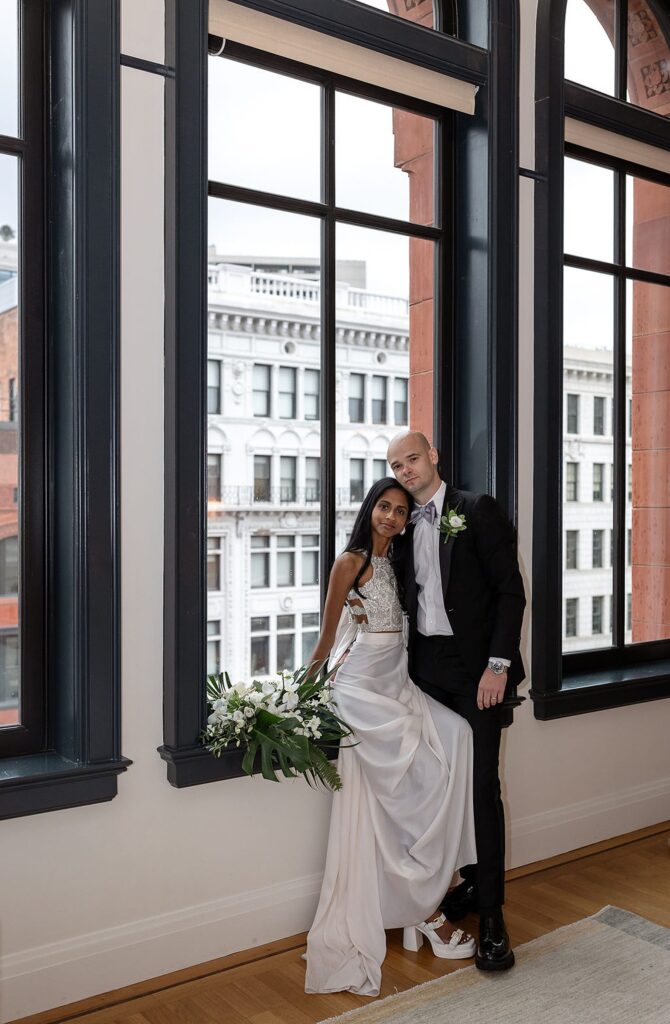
428	512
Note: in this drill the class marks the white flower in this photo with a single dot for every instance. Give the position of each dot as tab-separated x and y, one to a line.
213	719
220	703
240	688
249	712
455	521
313	725
269	687
238	718
256	697
291	700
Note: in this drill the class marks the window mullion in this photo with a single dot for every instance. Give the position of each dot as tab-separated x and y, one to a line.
621	48
328	338
619	425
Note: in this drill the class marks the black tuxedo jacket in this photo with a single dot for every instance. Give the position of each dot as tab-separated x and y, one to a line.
481	584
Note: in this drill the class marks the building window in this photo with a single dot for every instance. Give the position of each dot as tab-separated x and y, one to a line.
572	481
261	390
260	645
630	483
214	563
598	415
356	479
630	417
597	614
9	566
629	612
312	394
287	378
597	549
379	469
260	560
312	478
573	414
378	399
9	673
286	561
571	542
571	606
598	481
214	477
356	398
213	647
262	477
213	387
286	643
13	400
629	546
400	401
310	634
287	477
310	559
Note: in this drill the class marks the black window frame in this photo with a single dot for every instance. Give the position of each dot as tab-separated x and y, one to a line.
476	433
590	680
69	413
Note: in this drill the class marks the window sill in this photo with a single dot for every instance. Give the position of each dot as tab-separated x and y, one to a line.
596	691
194	766
51	782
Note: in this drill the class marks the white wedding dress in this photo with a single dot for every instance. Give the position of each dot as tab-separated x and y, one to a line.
402	823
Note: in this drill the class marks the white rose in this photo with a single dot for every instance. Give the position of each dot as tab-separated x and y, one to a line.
256	697
240	688
213	719
249	712
455	521
220	703
238	718
290	701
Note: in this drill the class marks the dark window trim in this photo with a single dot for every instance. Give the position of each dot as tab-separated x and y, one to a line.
82	758
590	680
486	345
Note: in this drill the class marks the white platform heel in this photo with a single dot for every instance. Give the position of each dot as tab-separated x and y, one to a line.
453	949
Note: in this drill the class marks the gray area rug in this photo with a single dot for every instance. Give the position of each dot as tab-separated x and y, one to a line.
612	968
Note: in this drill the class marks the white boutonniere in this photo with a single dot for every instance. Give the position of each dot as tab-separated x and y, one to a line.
451	524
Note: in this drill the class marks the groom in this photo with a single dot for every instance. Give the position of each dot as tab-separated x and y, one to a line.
465	600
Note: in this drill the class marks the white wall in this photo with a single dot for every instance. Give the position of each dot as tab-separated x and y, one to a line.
98	897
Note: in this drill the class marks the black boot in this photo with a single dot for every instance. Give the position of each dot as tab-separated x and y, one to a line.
493	951
462	900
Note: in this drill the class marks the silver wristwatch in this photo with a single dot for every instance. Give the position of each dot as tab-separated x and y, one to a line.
497	667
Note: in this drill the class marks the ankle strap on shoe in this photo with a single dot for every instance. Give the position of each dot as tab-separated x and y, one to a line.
437	923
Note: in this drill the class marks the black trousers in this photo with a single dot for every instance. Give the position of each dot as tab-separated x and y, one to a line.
435	666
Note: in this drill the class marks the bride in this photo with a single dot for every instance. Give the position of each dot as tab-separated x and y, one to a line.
402	823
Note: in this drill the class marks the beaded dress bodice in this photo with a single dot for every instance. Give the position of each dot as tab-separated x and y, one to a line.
381	606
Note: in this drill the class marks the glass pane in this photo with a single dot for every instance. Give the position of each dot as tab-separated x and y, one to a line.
264	327
420	11
383	160
385	331
589	53
10	387
589	210
647	225
254	113
647	444
9	68
588	454
286	652
648	57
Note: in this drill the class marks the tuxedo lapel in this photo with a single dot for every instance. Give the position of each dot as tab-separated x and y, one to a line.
446	547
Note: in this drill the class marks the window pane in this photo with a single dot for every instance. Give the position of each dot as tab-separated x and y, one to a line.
378	399
588	454
647	231
400	402
9	68
420	11
648	66
286	652
260	570
262	470
260	656
287	481
244	128
287	378
312	479
261	390
310	568
312	394
285	621
647	492
9	397
589	210
377	150
395	314
213	386
285	569
589	53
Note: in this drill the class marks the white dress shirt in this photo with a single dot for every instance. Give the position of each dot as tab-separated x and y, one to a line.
431	616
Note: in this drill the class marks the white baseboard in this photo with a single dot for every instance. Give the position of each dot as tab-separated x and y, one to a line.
63	972
571	826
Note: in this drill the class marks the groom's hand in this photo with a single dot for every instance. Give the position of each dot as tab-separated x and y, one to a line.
491	689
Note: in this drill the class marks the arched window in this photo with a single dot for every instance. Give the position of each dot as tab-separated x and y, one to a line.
601	622
346	283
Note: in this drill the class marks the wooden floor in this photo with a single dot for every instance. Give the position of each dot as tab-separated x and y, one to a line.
268	987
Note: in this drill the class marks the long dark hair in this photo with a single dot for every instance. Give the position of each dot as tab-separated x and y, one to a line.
361	535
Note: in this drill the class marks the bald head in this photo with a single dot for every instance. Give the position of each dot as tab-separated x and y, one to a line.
413	461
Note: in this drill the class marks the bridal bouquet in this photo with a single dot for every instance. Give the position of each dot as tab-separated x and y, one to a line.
282	719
